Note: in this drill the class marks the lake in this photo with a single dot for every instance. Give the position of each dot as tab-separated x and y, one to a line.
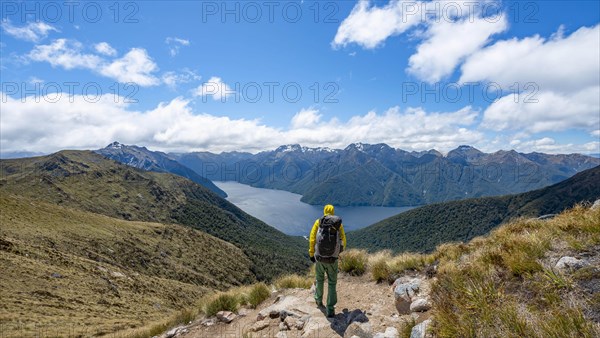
284	211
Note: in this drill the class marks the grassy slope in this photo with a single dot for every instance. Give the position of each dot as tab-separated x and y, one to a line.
163	267
424	228
504	284
88	181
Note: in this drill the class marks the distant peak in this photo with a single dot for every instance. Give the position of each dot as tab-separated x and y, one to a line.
290	148
115	145
465	148
357	145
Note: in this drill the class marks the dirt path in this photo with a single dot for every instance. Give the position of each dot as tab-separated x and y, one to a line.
359	300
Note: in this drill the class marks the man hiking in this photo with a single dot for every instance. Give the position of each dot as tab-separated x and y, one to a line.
327	240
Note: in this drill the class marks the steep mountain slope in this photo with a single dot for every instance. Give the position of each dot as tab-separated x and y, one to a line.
378	175
422	229
91	182
142	158
65	269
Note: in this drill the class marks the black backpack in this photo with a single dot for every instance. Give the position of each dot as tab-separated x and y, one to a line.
329	242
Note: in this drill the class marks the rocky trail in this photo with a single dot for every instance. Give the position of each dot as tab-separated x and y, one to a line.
364	309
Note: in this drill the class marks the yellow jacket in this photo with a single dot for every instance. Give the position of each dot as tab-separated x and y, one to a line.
328	210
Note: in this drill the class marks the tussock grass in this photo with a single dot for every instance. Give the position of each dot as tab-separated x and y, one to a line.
379	266
501	286
225	301
294	281
353	262
231	300
258	293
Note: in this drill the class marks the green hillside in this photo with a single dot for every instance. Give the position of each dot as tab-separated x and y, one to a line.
91	182
67	269
424	228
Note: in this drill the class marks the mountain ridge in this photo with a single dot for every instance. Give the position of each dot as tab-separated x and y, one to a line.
142	158
91	182
395	177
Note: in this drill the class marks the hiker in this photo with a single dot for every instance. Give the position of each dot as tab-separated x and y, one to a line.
327	240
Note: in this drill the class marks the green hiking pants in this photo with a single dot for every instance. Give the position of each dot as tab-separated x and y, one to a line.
332	270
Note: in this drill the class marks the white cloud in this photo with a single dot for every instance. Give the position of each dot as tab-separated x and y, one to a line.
452	30
306	118
595	133
173	79
552	112
550	146
214	87
560	75
33	31
66	54
105	49
448	43
174	126
559	64
369	26
175	44
135	66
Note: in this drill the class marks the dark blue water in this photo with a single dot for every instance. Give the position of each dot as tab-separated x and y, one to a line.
284	211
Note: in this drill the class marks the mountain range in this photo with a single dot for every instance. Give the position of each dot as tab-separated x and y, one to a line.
379	175
424	228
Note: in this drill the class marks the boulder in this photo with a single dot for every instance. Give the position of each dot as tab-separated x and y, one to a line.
567	263
357	329
281	334
226	316
596	205
420	330
420	305
404	291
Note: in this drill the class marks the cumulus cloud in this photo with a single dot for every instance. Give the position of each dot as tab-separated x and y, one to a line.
66	54
550	111
33	31
105	48
369	26
174	126
560	76
306	118
558	64
448	43
135	66
216	88
175	44
451	31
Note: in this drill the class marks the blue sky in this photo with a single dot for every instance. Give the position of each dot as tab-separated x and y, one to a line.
220	76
